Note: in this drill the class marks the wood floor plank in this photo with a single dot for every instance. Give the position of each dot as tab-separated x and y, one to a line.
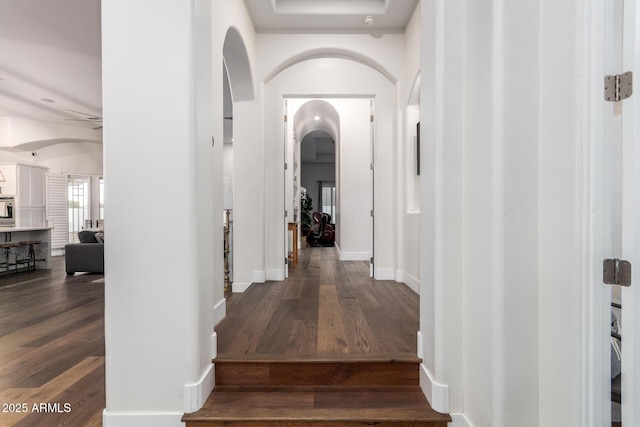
357	328
303	340
46	362
331	333
254	327
52	347
340	407
337	309
279	328
84	399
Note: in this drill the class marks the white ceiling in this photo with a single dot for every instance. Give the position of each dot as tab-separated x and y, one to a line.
318	147
330	15
51	49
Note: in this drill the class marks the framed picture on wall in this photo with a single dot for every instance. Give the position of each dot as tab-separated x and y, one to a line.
418	149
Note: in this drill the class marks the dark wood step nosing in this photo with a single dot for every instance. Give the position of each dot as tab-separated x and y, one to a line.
338	373
343	358
314	423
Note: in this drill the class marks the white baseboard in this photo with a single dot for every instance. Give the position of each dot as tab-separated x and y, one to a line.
354	256
197	393
337	249
275	274
459	420
142	419
437	394
412	283
384	274
239	287
213	345
219	311
398	276
259	276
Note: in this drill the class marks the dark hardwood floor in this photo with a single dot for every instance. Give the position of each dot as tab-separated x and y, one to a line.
327	346
51	348
52	336
325	308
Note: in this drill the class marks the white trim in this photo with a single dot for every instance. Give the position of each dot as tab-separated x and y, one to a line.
142	419
197	393
384	274
259	276
240	287
595	374
412	283
497	209
356	256
437	394
213	343
420	339
219	311
398	276
275	274
631	222
459	420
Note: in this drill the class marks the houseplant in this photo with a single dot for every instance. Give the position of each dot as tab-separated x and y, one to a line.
305	217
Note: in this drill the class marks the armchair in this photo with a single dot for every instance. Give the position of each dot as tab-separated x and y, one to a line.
322	233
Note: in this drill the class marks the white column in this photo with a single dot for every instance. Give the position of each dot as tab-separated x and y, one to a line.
248	196
157	327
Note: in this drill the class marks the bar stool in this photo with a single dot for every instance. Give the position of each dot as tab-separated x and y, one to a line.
30	258
5	248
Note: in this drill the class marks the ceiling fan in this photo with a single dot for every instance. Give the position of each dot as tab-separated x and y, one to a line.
90	118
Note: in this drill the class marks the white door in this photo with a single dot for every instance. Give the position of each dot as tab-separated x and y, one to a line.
287	189
372	183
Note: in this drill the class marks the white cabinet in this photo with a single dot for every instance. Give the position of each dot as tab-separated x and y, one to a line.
28	183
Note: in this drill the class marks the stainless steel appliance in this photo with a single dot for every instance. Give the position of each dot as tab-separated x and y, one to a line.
7	211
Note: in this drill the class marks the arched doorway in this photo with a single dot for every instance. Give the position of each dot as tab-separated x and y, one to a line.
314	117
238	88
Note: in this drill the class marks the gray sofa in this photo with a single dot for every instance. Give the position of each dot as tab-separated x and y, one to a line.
86	256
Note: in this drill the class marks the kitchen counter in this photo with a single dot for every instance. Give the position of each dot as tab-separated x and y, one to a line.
19	235
12	229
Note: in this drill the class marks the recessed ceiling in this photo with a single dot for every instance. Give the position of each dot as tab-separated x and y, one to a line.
318	147
390	16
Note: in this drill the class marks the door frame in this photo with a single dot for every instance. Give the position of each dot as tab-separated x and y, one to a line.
596	297
597	224
630	319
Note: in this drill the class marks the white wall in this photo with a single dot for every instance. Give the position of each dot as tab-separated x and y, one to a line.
353	145
70	157
248	216
408	190
441	205
227	167
562	149
327	77
498	206
158	359
353	190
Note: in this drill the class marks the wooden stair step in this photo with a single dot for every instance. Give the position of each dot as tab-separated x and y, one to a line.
317	372
399	406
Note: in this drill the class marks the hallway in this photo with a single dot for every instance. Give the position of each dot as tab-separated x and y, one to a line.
327	345
325	308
